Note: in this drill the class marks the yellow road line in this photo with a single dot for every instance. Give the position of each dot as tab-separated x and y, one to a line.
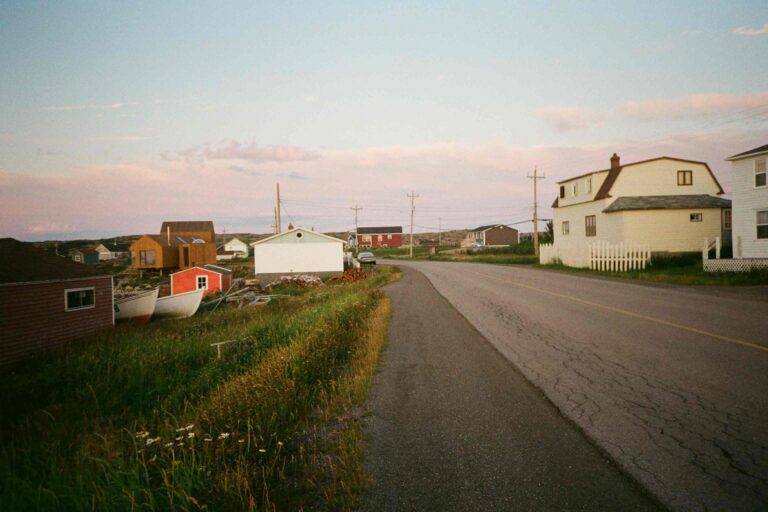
633	314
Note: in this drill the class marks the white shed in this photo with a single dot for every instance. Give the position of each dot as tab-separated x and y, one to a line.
238	246
298	251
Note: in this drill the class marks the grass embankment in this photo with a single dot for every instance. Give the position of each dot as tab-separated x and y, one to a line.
521	253
148	418
681	270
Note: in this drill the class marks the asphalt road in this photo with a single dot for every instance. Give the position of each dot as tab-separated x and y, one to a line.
456	427
671	382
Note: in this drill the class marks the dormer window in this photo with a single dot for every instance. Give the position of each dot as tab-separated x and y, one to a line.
575	189
588	185
760	172
562	191
684	178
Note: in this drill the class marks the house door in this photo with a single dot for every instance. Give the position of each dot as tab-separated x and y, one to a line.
185	256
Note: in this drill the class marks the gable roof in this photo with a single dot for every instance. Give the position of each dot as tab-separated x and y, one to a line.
487	227
22	262
746	154
186	226
380	230
117	247
681	202
235	239
284	233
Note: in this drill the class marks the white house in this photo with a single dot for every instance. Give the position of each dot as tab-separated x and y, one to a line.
750	203
237	246
669	205
298	251
109	251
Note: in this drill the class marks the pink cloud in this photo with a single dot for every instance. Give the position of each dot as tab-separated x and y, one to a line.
464	185
250	152
696	104
749	31
571	118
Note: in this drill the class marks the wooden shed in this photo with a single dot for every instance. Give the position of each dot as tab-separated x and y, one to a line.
211	278
47	301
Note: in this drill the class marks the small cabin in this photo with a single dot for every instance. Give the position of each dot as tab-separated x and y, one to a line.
87	256
211	278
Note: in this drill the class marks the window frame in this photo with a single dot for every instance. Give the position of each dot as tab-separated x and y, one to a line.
758	225
593	225
588	185
728	220
575	188
696	217
562	191
197	282
67	291
143	257
763	173
683	174
566	227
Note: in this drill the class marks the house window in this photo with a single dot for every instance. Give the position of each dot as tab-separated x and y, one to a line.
575	189
588	185
590	223
79	298
380	238
389	237
147	257
762	224
202	282
696	217
760	172
685	177
562	191
566	227
727	222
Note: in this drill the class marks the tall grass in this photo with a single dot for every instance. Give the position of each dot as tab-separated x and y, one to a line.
149	418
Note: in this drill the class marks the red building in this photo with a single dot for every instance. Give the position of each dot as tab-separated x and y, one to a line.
47	301
211	278
373	238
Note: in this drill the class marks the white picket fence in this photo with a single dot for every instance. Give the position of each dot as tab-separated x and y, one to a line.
600	255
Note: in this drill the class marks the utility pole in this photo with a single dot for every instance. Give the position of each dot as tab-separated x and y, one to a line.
356	209
274	222
439	231
535	179
413	196
279	220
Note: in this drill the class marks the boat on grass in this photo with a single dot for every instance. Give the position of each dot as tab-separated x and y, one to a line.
136	307
181	305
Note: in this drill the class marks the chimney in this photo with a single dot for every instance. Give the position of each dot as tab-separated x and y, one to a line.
168	231
615	161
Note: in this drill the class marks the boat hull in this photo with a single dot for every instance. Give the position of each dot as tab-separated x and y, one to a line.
136	308
181	305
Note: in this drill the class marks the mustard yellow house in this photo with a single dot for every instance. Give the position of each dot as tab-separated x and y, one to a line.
668	204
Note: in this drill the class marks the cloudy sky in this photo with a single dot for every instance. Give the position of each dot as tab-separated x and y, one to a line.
115	118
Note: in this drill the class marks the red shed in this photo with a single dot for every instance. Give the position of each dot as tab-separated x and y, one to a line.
376	237
210	277
47	301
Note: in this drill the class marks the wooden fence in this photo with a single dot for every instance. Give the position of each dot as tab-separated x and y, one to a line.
606	257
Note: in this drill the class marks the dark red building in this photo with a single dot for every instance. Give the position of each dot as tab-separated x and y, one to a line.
373	238
47	301
209	277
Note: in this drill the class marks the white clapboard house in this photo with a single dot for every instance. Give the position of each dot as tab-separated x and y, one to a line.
298	251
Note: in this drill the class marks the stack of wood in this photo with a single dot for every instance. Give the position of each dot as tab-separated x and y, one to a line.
351	276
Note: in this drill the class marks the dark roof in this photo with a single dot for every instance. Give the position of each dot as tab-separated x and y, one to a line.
755	151
186	226
556	203
484	228
216	268
117	247
85	250
380	230
683	202
22	262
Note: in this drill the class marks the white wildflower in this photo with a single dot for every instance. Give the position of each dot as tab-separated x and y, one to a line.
152	440
241	441
262	450
279	443
184	429
168	445
142	435
224	435
208	439
191	435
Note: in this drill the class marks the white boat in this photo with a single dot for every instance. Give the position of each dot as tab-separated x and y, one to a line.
181	305
137	307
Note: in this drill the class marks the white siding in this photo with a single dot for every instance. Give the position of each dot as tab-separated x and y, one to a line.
659	178
298	251
582	195
747	201
236	245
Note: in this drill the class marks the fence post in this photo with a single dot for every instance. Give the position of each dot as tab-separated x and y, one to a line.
717	247
705	251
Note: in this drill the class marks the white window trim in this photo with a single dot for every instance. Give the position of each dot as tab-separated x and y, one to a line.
575	189
699	219
68	290
566	227
197	283
588	185
757	224
755	173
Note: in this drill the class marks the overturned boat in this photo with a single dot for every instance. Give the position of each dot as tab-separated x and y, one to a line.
181	305
137	307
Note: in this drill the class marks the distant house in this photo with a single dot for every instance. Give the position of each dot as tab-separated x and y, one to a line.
238	247
113	251
224	255
47	301
491	235
750	203
179	245
376	237
298	251
86	255
210	278
667	204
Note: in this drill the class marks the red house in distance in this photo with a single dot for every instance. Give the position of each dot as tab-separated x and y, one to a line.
376	237
211	278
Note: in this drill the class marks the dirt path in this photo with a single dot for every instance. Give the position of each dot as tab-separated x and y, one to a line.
456	427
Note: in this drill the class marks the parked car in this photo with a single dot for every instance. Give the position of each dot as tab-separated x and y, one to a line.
366	257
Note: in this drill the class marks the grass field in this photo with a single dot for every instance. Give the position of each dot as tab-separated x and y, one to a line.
148	418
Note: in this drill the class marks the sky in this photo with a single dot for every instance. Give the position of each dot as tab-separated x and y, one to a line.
115	118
